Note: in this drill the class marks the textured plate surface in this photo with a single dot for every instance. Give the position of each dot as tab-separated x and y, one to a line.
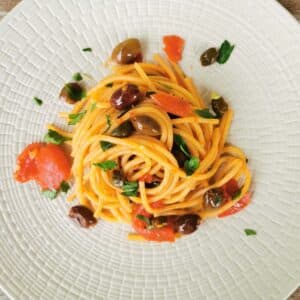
44	255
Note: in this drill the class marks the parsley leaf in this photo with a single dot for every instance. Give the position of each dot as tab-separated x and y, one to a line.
75	118
225	52
106	165
53	137
109	84
51	194
38	101
108	122
77	76
204	113
144	219
191	165
105	145
87	50
130	188
249	231
236	194
64	187
179	141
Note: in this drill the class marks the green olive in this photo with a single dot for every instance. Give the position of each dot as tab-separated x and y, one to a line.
146	126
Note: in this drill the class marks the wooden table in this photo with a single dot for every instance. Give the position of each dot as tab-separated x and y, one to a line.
293	6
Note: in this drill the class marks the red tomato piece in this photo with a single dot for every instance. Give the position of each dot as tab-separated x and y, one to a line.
241	204
173	47
231	187
26	167
172	104
157	204
163	234
48	164
148	178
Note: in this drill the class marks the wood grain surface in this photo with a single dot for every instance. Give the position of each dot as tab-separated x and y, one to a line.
293	6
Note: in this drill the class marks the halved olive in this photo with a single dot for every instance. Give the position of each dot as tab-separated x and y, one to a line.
179	155
209	56
213	198
124	130
128	52
117	178
126	96
146	126
219	106
72	92
83	215
185	224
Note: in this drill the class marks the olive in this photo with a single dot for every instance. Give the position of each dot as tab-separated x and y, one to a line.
117	178
152	184
125	97
159	221
128	52
124	130
209	56
219	106
72	92
179	155
213	198
83	215
146	126
186	224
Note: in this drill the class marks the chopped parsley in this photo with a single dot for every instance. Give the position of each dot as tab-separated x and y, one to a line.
38	101
237	194
53	137
179	141
87	49
105	145
51	194
191	165
144	219
108	122
106	165
77	76
64	187
249	231
225	52
75	118
130	188
204	113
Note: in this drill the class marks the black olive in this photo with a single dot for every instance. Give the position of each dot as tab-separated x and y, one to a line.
179	155
152	184
125	97
117	178
159	221
172	117
185	224
213	198
209	56
124	130
219	106
72	92
83	215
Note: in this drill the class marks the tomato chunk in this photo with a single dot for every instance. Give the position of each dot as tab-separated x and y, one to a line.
172	104
148	178
231	187
241	204
163	234
47	164
173	47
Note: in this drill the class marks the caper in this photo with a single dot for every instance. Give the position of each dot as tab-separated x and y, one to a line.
123	130
209	56
72	92
128	52
219	106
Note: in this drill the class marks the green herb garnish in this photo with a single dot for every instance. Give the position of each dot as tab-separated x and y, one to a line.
191	165
77	76
106	165
51	194
38	101
250	231
130	188
75	118
53	137
87	49
105	145
144	219
225	52
149	93
109	84
236	194
108	122
93	106
179	141
204	113
64	187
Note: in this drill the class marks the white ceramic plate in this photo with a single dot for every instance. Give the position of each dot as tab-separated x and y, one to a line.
44	255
